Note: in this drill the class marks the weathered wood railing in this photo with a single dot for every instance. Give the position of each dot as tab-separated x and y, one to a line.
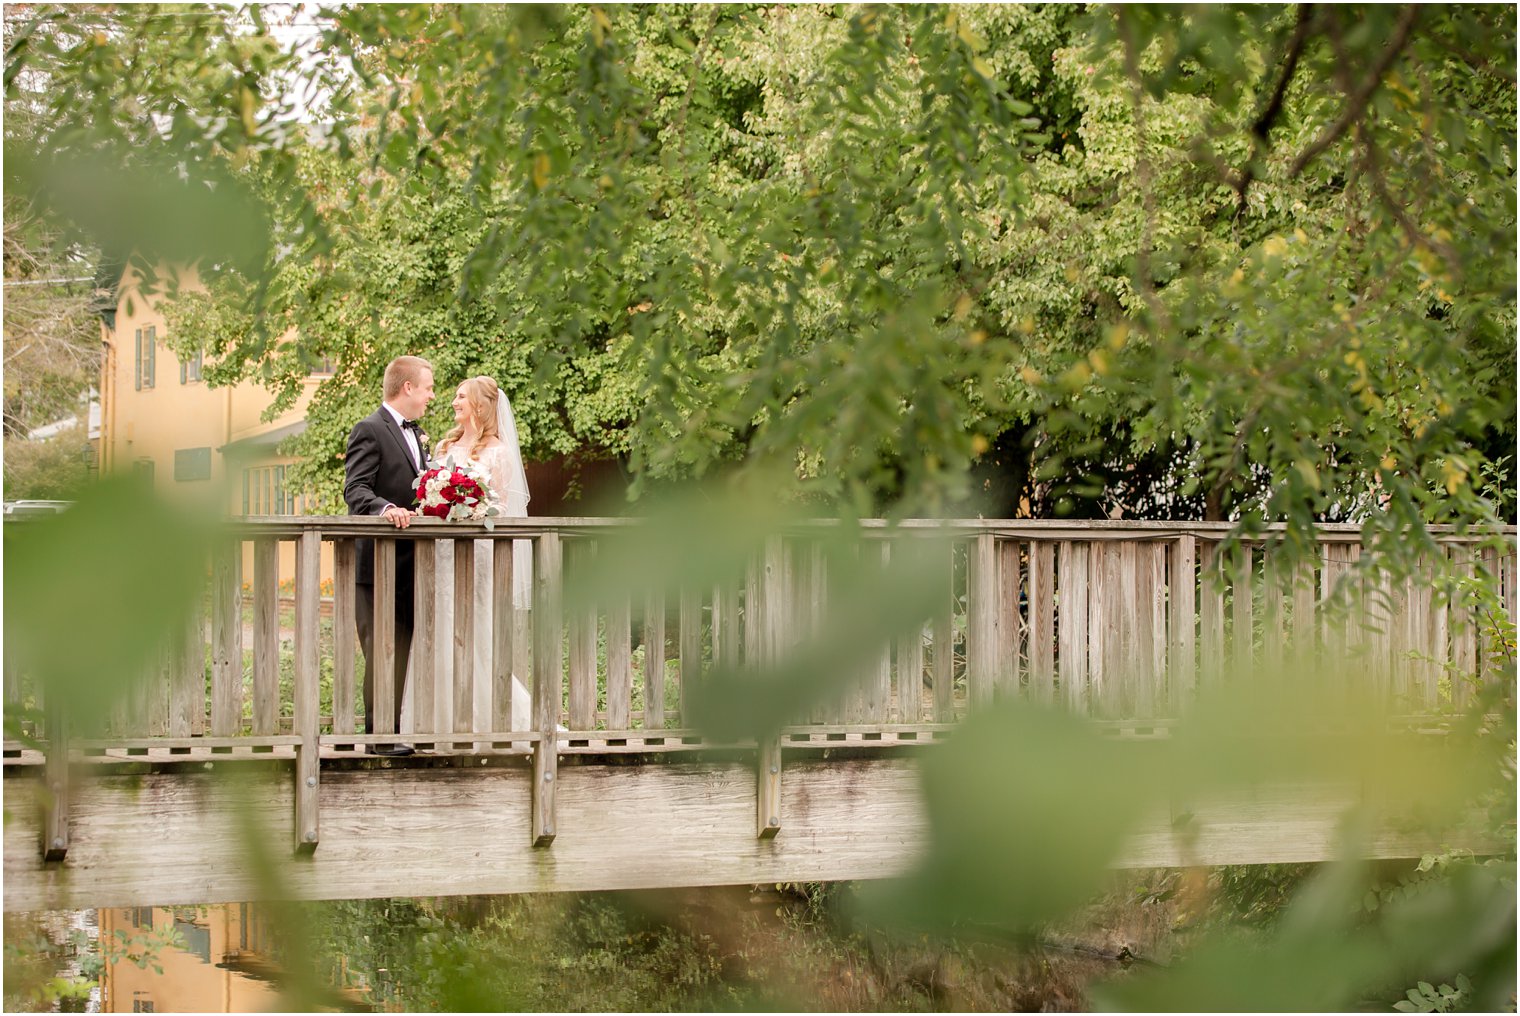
1122	622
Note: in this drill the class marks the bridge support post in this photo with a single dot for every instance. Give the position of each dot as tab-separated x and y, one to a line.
545	775
548	684
775	635
768	789
307	700
55	816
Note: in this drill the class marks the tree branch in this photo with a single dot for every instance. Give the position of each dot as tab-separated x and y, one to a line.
1273	109
1356	103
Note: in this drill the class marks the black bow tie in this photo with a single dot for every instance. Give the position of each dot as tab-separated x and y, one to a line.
412	425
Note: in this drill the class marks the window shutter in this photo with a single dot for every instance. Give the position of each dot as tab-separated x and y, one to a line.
137	378
151	351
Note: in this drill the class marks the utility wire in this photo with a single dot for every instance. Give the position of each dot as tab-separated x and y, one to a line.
48	282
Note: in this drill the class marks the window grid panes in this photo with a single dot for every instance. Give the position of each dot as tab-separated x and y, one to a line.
190	370
265	492
147	340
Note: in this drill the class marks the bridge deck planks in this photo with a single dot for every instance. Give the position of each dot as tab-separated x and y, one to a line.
449	831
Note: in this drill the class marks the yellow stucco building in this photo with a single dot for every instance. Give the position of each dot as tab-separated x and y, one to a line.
225	962
201	976
160	418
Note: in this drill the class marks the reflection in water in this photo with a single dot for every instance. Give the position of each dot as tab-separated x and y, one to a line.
218	958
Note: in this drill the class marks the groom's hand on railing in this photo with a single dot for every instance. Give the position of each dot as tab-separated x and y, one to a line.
398	516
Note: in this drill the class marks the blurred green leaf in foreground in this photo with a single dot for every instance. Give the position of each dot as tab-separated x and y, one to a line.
94	594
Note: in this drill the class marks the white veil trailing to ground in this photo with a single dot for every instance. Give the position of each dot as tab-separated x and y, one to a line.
517	477
516	507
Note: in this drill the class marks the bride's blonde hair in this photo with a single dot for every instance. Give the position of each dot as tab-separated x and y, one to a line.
481	394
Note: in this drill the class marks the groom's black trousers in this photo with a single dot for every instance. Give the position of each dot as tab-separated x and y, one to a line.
364	618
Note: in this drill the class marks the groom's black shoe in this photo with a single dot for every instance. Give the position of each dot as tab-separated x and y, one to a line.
393	750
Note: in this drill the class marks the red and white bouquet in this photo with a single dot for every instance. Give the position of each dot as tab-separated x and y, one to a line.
456	493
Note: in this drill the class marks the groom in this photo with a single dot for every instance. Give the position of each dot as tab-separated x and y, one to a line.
386	453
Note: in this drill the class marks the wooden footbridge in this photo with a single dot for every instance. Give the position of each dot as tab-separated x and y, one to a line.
236	771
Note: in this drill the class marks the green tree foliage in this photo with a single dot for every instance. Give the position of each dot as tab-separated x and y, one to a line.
1227	263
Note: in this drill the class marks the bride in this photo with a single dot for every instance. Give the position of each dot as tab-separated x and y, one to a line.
484	436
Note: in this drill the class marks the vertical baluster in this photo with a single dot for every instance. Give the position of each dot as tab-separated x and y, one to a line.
384	656
1404	642
344	637
463	640
1334	566
1439	631
654	661
879	690
619	663
1150	630
727	621
1072	624
1042	620
1305	625
426	636
483	642
1211	587
443	636
754	609
815	602
503	715
1377	633
1182	612
720	642
1241	635
981	610
188	695
1099	616
690	648
1504	572
1160	637
266	635
1272	591
1464	646
1009	622
1356	615
227	635
1129	663
159	670
1416	639
944	645
582	621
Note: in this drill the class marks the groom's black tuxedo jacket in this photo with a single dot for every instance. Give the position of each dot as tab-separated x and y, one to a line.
379	470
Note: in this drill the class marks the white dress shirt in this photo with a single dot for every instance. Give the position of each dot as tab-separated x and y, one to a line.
407	435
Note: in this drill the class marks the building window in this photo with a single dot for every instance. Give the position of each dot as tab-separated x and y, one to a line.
190	370
142	1004
143	470
147	340
192	464
327	365
265	492
141	917
197	938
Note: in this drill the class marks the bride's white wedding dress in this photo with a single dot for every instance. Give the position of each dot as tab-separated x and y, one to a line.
508	484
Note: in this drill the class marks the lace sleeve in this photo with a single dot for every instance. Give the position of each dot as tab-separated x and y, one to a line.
495	460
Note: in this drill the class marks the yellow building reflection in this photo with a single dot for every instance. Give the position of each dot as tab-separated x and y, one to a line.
221	962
